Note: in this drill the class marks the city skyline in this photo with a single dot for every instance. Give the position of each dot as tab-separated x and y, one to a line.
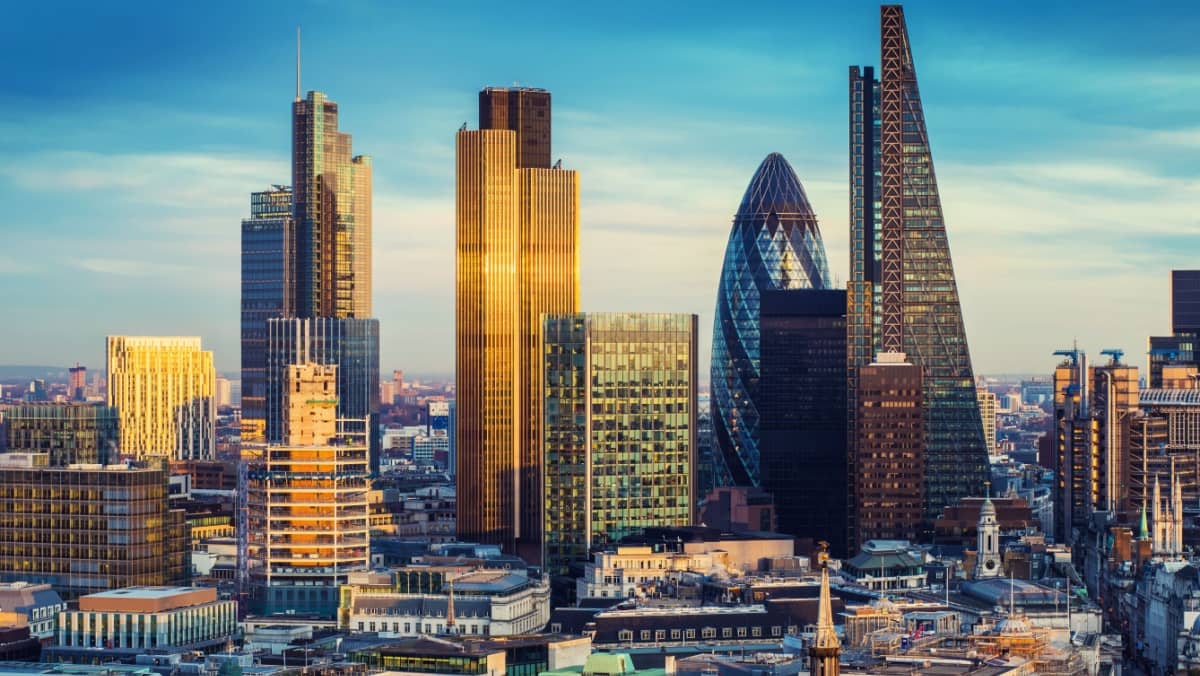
127	207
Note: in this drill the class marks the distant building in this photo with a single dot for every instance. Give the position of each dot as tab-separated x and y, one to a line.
476	603
514	655
36	392
77	383
887	565
94	511
67	433
739	508
136	620
664	555
223	393
1180	348
38	602
162	388
1094	409
889	454
306	501
987	411
208	475
619	429
441	415
958	523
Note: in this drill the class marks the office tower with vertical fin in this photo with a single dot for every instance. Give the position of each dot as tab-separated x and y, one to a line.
902	296
517	259
162	388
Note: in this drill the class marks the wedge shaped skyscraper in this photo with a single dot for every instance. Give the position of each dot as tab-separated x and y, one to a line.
775	244
902	296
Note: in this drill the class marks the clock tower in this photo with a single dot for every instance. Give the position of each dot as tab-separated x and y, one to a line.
987	559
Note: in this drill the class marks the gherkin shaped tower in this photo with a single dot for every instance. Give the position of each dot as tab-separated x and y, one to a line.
775	244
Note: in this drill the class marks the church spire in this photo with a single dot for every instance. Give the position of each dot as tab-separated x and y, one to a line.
450	609
1145	531
824	653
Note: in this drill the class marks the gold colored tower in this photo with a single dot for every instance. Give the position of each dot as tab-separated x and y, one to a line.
162	388
824	653
517	259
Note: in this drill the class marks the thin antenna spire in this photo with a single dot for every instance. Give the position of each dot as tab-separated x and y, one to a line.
297	63
1012	594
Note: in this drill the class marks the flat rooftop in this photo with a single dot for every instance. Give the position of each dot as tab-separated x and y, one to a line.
147	599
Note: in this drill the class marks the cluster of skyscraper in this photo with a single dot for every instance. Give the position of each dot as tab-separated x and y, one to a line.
572	428
310	372
856	409
306	277
1115	441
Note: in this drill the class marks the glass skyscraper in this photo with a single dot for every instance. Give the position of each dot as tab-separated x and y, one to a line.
350	344
267	261
619	428
775	244
902	295
802	408
332	207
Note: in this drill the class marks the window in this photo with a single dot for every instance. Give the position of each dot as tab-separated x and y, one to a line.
756	631
777	631
675	634
555	628
708	632
691	633
645	634
660	635
625	635
726	632
741	632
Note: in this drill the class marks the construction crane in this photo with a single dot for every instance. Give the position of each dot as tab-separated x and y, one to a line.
1074	353
1078	360
1115	354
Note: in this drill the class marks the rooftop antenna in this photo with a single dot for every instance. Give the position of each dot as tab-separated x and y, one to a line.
297	63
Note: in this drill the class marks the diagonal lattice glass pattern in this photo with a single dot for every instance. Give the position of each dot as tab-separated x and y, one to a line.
775	243
908	301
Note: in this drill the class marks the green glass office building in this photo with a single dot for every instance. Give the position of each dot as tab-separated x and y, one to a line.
67	433
619	428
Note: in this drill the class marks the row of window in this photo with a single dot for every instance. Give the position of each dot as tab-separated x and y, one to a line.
690	634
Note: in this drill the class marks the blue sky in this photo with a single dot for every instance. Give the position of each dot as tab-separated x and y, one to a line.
1066	140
